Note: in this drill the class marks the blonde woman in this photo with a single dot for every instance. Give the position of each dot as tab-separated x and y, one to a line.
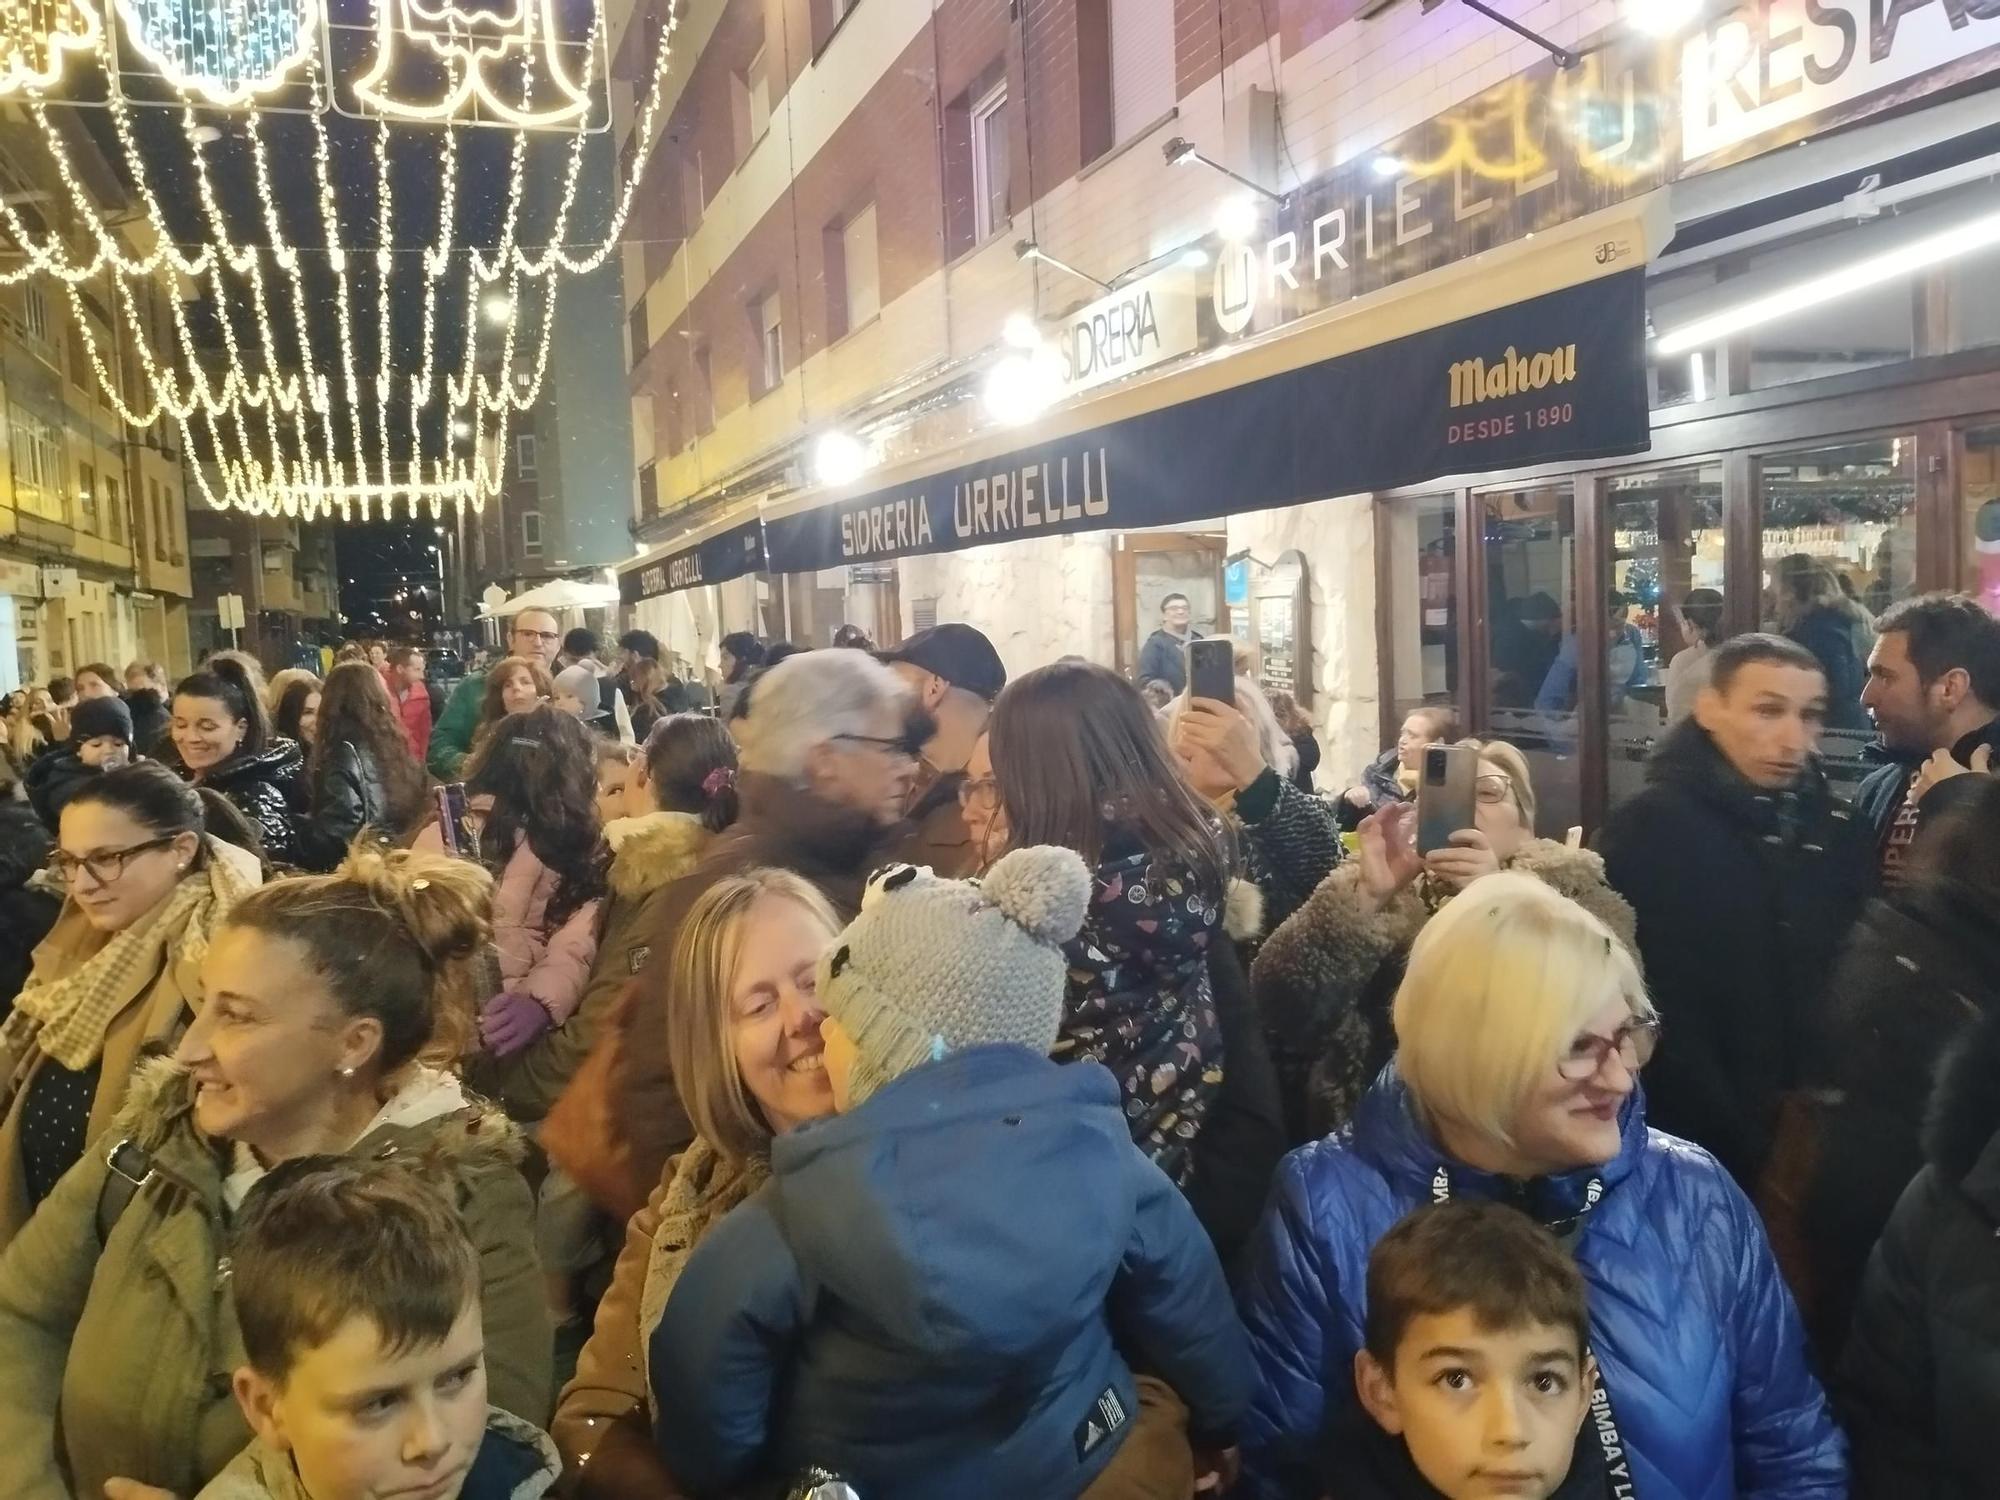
1323	980
1521	1027
744	1038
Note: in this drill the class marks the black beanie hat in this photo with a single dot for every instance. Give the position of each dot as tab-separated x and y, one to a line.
100	716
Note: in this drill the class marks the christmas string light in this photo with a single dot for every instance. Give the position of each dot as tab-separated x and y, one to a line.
36	34
468	42
225	51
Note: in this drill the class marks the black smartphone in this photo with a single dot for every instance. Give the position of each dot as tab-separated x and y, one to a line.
1445	789
451	818
1212	671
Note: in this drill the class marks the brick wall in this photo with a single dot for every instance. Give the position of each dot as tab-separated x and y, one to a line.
868	119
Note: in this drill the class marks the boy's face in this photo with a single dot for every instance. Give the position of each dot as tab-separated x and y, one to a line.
1484	1414
104	752
612	776
363	1424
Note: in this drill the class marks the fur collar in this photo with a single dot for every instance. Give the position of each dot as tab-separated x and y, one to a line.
1243	911
654	850
159	1110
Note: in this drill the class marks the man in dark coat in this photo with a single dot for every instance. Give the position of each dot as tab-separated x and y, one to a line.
1745	875
1164	656
1919	1384
954	674
1933	689
146	689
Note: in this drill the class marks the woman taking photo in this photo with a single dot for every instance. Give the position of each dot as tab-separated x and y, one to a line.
1324	980
362	772
335	1004
1082	763
1521	1029
222	740
152	867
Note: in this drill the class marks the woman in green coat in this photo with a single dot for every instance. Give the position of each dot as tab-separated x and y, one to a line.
332	1006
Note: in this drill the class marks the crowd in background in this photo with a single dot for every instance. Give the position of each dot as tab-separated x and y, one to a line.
860	1065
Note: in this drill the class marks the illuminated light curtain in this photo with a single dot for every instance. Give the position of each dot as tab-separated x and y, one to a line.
226	52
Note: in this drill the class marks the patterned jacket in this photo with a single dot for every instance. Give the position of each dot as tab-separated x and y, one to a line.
1139	1001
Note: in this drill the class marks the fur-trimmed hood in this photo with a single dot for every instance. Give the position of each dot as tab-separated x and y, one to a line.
652	850
158	1116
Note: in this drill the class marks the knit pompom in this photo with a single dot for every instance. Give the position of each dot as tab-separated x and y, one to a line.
1045	891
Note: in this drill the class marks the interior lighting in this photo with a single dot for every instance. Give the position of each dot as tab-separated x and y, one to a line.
840	459
1974	235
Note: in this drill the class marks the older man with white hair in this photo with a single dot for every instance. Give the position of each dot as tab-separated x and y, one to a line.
827	753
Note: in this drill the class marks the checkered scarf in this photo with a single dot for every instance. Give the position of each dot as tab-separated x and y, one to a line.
66	1017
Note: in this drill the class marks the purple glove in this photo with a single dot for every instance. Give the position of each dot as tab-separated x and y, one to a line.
512	1021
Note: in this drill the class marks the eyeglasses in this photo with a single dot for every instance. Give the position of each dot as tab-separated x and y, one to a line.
899	747
536	635
1493	789
1634	1042
984	793
106	865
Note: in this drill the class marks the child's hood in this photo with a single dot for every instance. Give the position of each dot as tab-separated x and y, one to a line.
976	1208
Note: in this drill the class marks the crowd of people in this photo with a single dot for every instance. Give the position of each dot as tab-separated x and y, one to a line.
865	1072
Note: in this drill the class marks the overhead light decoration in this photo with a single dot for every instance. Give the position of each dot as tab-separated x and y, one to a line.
840	459
292	423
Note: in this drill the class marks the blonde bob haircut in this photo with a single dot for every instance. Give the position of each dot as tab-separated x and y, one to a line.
700	1022
1499	984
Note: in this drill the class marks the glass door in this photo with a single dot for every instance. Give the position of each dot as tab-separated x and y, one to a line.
1533	649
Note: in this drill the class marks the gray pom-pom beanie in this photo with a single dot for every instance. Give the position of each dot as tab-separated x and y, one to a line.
932	966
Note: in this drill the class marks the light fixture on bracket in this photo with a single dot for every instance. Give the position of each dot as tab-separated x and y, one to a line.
1180	151
1565	58
1029	250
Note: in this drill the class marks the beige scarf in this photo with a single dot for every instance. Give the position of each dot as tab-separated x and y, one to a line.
67	1016
705	1187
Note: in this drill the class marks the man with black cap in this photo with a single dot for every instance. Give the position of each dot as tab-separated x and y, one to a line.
955	674
100	739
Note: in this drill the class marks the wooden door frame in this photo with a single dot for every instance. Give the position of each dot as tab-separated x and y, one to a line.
1125	550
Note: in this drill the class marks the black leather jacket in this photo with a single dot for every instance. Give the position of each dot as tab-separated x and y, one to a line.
268	787
351	795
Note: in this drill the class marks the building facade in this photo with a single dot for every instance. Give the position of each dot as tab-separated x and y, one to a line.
93	519
1303	286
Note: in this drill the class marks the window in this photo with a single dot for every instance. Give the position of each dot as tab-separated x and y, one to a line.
694	198
114	509
1420	576
649	492
86	496
524	455
35	317
704	392
79	358
750	104
636	323
827	16
1142	65
1533	645
531	533
853	297
38	464
159	510
767	319
990	180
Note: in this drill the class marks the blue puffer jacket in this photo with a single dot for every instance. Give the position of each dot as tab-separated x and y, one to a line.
1700	1344
921	1300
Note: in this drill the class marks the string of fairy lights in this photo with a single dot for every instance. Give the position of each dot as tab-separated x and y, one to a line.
271	432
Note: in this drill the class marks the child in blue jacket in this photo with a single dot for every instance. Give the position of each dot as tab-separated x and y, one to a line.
923	1299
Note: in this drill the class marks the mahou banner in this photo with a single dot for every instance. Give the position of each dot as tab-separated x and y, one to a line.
1556	378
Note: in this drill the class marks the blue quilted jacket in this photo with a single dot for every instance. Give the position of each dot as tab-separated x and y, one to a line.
1700	1344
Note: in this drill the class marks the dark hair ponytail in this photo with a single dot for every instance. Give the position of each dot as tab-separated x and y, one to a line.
691	763
228	683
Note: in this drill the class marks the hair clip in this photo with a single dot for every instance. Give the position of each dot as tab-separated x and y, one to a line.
718	781
524	742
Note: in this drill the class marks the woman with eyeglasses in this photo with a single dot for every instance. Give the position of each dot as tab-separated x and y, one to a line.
151	866
1522	1026
1324	979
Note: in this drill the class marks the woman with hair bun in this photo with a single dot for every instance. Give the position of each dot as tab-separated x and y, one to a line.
335	1007
152	866
222	739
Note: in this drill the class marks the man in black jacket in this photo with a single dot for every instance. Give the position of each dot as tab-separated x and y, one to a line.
1164	656
1934	693
1745	874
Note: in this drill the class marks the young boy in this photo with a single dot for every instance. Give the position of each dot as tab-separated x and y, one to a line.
358	1296
920	1300
1475	1368
100	739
